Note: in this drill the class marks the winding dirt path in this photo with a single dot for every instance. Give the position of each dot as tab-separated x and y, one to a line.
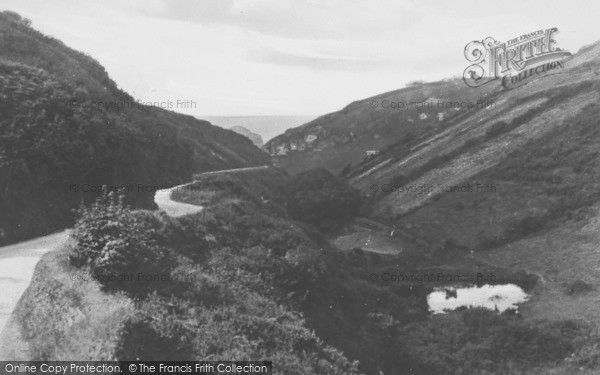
163	200
18	261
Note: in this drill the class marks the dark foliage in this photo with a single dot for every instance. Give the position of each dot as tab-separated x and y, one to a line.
58	145
497	129
117	247
318	197
478	340
579	287
258	285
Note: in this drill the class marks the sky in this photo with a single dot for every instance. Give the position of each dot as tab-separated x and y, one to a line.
290	57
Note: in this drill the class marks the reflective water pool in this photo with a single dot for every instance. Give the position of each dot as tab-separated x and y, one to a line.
493	297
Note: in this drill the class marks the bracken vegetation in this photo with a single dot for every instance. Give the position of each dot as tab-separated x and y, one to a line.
56	142
246	281
253	276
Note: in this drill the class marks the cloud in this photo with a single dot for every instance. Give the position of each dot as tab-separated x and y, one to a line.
301	19
318	62
240	57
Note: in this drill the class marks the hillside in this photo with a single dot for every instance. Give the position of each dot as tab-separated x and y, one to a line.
341	139
400	123
514	185
248	281
66	129
255	138
528	154
540	209
532	152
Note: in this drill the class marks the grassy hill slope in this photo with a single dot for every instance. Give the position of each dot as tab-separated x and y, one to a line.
514	185
402	117
415	122
65	127
248	282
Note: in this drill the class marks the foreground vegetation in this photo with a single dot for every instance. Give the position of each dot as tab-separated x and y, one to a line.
66	129
246	281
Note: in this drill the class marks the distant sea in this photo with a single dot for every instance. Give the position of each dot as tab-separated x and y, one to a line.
267	126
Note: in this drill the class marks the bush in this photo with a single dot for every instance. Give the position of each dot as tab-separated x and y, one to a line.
525	280
318	197
140	341
116	246
578	287
479	341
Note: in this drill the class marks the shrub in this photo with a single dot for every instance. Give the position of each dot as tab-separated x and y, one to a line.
141	341
318	197
479	341
542	343
578	287
525	280
116	246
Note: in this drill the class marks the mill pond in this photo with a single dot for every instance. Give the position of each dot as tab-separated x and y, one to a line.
494	297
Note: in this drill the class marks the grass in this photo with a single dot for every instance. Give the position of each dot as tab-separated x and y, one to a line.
376	322
63	317
550	178
265	187
561	256
550	185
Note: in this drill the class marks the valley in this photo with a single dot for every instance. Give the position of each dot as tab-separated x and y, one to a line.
437	228
535	146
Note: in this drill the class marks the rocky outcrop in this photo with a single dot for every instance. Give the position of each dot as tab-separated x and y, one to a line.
255	138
